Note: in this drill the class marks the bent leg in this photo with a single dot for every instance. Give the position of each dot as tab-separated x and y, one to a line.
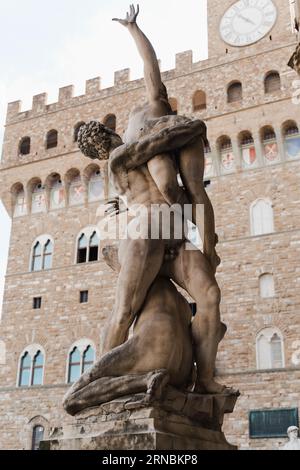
191	165
192	271
140	263
107	389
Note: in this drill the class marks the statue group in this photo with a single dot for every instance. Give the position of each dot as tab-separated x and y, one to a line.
167	347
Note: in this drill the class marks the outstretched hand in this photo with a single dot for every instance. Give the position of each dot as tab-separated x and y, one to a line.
130	17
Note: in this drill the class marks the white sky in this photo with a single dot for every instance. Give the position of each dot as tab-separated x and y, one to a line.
47	45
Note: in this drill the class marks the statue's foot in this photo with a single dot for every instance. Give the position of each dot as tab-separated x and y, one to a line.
211	387
157	381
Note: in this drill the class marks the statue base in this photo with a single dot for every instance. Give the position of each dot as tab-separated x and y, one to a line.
180	421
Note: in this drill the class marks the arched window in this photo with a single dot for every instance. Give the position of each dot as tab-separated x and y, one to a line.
235	92
25	371
262	217
110	121
174	105
199	101
292	140
76	191
272	82
42	254
48	252
82	249
52	139
57	192
37	259
77	129
248	149
227	159
24	146
94	247
31	367
266	284
37	437
88	246
81	358
19	201
88	358
38	201
96	187
271	151
74	365
37	369
269	349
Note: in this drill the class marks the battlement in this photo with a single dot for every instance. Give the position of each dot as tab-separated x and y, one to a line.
122	83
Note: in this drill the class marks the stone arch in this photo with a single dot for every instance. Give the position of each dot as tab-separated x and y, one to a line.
234	92
272	81
199	100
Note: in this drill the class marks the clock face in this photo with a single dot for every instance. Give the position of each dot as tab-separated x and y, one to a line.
247	21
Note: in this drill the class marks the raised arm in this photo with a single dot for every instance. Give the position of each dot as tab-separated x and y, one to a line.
154	85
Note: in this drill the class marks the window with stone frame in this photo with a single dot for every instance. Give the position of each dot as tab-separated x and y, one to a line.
88	246
31	367
81	358
37	436
267	287
96	187
199	100
42	254
24	146
235	92
270	349
52	139
262	217
272	82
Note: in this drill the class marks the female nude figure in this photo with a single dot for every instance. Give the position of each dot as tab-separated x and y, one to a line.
164	167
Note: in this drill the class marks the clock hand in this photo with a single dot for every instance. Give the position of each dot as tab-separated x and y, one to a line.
246	19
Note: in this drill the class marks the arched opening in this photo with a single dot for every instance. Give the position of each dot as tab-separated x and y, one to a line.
38	199
270	349
57	191
266	285
24	146
52	139
248	149
235	92
272	82
18	200
291	139
262	217
37	436
226	155
76	187
270	146
199	101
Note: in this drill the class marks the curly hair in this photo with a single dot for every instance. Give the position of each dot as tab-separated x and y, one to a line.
97	141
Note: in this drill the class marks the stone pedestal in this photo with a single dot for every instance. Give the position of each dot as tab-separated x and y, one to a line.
181	421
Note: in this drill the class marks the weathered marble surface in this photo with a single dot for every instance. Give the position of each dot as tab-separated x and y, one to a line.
181	421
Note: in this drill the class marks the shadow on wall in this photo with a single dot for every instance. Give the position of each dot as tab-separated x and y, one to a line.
5	226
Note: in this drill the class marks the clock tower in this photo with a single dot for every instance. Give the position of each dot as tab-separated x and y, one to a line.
253	25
